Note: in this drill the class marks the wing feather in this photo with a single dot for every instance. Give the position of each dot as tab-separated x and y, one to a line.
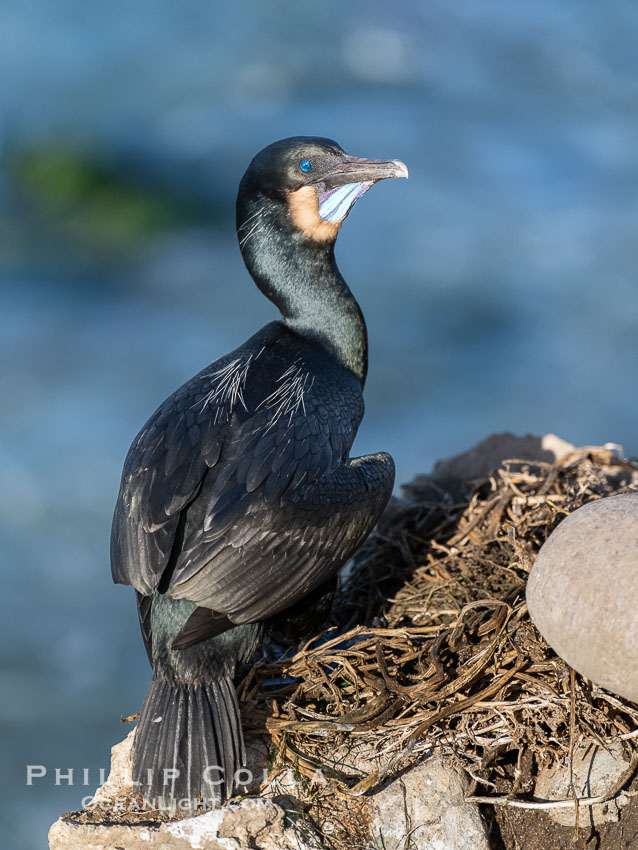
224	454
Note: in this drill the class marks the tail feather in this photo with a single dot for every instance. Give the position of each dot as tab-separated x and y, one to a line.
230	698
188	743
164	741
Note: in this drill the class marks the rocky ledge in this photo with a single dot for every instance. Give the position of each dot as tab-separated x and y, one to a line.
426	803
396	790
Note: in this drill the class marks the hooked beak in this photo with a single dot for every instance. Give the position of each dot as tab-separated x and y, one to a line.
354	169
349	180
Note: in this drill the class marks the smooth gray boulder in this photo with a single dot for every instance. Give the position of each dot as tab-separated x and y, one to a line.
582	592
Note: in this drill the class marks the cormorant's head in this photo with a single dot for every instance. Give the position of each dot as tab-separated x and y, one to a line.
315	181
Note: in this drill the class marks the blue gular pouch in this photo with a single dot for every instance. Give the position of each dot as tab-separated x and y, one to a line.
336	203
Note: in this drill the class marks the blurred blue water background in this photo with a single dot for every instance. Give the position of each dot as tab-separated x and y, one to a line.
500	283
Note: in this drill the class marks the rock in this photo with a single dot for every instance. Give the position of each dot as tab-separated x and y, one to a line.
426	802
113	819
120	781
486	457
595	770
425	809
582	592
251	824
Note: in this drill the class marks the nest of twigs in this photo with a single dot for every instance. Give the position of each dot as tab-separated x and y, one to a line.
448	660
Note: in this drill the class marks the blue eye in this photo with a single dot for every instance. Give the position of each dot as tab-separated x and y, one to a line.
305	165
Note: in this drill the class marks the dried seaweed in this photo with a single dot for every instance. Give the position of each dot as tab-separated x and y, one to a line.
449	660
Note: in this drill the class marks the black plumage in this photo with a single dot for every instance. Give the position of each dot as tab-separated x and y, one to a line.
239	501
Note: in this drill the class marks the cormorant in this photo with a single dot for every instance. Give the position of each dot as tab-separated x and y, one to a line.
239	500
